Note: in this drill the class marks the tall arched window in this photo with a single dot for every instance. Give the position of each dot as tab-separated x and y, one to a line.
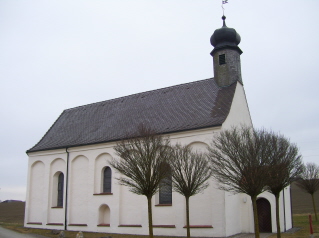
107	180
60	190
165	190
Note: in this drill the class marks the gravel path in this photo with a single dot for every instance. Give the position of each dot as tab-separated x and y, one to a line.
5	233
251	235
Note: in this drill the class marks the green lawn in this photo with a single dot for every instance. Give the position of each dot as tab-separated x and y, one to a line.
302	222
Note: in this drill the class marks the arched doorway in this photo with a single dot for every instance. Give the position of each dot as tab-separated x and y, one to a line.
264	215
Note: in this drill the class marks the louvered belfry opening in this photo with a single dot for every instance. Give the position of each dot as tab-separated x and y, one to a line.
222	59
264	215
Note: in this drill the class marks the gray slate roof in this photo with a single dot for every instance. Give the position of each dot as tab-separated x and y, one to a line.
189	106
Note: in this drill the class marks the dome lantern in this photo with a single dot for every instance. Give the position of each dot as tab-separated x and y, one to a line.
226	55
225	36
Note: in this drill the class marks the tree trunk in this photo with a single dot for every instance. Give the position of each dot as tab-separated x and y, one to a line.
253	199
150	217
187	218
277	216
314	206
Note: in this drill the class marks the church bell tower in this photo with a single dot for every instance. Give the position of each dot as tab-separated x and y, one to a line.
226	55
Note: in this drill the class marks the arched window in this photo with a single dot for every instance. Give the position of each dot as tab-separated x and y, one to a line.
107	180
60	190
165	190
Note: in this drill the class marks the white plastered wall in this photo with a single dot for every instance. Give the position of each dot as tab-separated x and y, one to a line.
39	189
228	214
239	207
36	195
100	163
239	112
55	214
125	208
79	189
235	220
287	210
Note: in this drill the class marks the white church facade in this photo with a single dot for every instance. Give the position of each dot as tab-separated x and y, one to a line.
72	186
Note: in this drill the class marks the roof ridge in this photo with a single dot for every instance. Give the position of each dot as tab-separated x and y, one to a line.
149	91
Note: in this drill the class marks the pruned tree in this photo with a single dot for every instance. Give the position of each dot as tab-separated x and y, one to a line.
190	172
285	164
239	159
144	161
309	182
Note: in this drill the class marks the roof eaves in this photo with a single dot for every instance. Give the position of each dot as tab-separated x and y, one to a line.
110	141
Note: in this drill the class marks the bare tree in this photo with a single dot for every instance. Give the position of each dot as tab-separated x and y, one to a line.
285	165
309	182
190	172
239	158
144	163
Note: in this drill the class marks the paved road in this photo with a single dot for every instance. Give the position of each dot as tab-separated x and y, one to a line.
5	233
251	235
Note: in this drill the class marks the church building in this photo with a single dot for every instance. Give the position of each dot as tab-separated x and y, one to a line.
71	185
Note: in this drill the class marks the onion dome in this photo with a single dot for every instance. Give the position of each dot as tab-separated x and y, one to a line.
225	36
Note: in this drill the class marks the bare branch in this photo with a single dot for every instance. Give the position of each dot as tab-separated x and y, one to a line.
144	164
309	179
250	161
190	173
309	182
238	158
285	163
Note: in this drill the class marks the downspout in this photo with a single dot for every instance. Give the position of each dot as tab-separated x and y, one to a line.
66	190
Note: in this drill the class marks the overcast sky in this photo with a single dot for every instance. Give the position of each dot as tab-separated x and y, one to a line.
61	54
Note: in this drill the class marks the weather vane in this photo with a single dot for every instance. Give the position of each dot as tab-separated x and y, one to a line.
224	2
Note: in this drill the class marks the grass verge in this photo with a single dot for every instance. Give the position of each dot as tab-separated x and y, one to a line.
68	234
301	221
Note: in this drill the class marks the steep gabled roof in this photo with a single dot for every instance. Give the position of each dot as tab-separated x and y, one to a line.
182	107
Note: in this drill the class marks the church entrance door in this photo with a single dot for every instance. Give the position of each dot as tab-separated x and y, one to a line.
264	215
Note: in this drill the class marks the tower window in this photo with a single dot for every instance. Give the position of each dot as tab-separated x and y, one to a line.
222	59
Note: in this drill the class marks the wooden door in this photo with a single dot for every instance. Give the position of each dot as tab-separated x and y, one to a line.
264	215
